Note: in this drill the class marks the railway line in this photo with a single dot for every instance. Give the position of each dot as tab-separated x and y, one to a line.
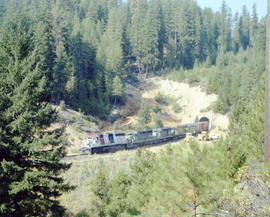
113	142
144	145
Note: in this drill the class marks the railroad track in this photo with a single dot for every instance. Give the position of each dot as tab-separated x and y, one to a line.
75	156
70	157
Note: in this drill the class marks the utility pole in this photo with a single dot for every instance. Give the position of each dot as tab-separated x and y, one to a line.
267	92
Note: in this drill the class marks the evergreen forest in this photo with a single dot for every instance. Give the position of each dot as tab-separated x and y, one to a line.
89	48
82	53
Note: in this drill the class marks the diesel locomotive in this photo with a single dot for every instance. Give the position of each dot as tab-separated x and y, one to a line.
111	142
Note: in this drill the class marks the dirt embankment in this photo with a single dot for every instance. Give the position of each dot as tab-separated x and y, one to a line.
184	103
192	101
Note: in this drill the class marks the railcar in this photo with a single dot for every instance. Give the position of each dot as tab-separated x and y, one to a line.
104	143
110	142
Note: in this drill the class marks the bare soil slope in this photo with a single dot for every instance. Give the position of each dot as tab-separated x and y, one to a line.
192	101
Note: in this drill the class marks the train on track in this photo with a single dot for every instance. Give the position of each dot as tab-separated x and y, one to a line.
111	142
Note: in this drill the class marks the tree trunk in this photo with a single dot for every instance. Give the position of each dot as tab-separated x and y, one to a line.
195	209
267	94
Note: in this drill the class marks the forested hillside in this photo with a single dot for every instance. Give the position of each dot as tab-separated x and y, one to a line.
80	54
89	47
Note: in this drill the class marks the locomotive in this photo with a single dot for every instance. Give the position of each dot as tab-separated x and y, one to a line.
111	142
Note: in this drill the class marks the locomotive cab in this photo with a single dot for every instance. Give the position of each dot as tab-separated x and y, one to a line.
91	141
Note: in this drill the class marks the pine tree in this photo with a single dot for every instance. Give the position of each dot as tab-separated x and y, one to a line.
254	26
117	89
245	31
142	179
184	183
144	115
136	30
158	121
30	171
224	40
187	36
110	53
237	32
119	195
101	187
61	72
151	31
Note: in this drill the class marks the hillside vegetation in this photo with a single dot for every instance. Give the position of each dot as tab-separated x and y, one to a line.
89	48
90	57
170	104
183	179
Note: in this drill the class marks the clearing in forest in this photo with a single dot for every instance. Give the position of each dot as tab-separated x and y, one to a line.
177	103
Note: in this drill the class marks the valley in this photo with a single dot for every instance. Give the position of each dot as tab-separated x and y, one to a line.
182	104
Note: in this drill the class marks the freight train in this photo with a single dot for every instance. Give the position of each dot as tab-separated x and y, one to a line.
111	142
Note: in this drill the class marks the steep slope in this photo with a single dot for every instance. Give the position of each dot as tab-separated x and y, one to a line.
181	104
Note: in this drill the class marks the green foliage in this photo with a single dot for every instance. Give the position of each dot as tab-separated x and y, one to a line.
77	127
111	193
80	52
162	99
157	121
192	179
63	105
157	109
247	127
144	115
118	195
176	107
101	187
31	167
141	179
86	47
83	214
177	75
185	179
117	88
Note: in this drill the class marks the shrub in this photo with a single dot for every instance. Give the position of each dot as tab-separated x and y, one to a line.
158	122
157	109
89	118
77	127
124	112
176	107
161	99
83	214
63	105
144	115
193	79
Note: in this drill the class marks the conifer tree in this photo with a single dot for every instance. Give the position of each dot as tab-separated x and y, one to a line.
150	44
136	32
61	72
117	88
142	178
144	115
30	167
237	32
245	31
184	183
101	187
187	36
119	195
254	26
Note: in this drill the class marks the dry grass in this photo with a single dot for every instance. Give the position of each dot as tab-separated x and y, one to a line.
82	174
185	103
84	169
